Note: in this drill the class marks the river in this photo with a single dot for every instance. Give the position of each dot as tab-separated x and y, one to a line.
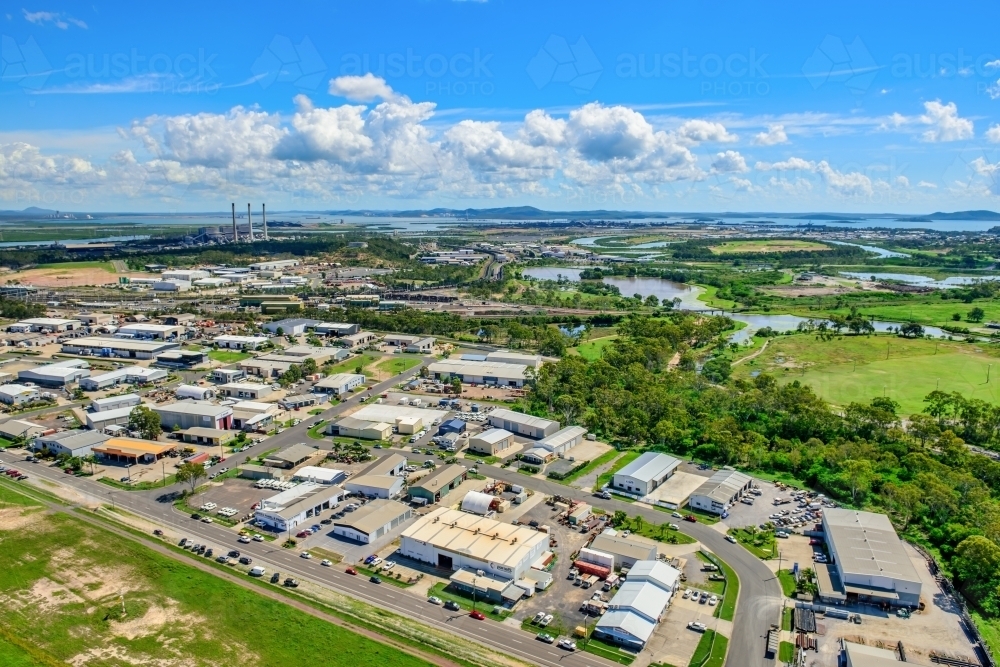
688	294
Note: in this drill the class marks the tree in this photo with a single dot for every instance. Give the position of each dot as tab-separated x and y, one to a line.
146	421
977	568
619	518
911	330
569	406
280	331
858	474
716	369
456	386
309	366
191	473
652	301
976	314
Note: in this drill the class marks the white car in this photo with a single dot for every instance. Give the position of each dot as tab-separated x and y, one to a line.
567	644
687	594
676	515
243	539
714	600
731	539
326	562
305	554
258	538
697	626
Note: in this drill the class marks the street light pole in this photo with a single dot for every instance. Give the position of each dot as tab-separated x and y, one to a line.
112	494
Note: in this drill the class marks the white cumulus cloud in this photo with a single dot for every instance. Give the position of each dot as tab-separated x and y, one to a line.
945	123
791	164
775	135
729	162
365	88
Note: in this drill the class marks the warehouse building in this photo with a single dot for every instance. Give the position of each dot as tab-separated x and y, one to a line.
451	539
375	486
522	424
228	375
180	319
127	348
639	604
340	383
290	456
291	326
241	342
100	421
274	264
357	340
94	319
869	561
627	551
385	412
352	427
132	450
194	391
44	325
246	390
318	475
862	655
71	443
646	473
392	465
487	373
720	491
373	521
131	375
399	340
181	358
18	394
421	346
299	401
439	482
298	505
266	370
187	414
337	329
16	429
509	357
494	442
56	375
115	402
199	435
146	331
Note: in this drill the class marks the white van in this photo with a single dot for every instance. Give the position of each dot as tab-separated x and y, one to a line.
257	571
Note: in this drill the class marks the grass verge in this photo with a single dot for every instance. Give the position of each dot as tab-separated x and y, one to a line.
607	651
445	592
711	650
606	477
603	459
787	581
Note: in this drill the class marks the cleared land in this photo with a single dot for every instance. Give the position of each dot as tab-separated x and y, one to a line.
592	349
68	274
228	356
60	604
398	364
769	245
858	368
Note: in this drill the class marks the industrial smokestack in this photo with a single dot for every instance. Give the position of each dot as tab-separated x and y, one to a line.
249	223
263	214
236	234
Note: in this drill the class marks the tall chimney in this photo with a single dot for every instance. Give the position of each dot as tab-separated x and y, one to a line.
249	223
236	234
263	214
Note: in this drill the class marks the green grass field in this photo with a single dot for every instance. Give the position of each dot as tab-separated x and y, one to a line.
711	650
925	310
399	363
787	580
107	266
606	477
765	246
350	364
855	368
786	651
227	356
592	349
66	577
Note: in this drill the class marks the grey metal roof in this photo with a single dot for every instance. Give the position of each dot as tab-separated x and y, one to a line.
723	485
293	453
374	515
621	546
75	439
521	418
866	544
649	466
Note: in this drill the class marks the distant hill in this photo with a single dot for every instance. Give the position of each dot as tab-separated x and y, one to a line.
966	215
30	212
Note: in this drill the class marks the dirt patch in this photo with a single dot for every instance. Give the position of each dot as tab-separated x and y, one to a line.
69	277
15	518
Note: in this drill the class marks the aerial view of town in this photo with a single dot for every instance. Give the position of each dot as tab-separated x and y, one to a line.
482	334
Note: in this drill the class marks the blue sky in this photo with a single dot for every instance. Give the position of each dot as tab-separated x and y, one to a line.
655	106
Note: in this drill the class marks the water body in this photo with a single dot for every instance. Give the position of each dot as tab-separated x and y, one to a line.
923	281
782	323
106	239
553	273
881	252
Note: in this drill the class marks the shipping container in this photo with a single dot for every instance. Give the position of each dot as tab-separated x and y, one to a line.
586	568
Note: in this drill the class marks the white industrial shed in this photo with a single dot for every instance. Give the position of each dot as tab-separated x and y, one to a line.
132	375
241	342
479	372
297	505
194	391
476	502
646	473
373	521
71	443
522	424
638	605
98	421
375	486
340	383
115	402
128	348
319	475
870	559
57	374
509	357
562	440
720	491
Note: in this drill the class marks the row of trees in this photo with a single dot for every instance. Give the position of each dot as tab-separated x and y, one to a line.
919	470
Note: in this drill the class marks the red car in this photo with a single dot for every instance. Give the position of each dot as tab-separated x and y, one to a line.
351	570
303	534
815	541
478	615
690	517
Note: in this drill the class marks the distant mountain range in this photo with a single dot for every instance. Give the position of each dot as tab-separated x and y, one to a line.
533	213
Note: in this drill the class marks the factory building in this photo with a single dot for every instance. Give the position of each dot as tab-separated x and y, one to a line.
18	394
627	551
509	357
71	443
337	329
340	383
241	342
298	505
246	390
451	539
187	414
44	325
646	473
869	561
115	402
720	491
522	424
291	326
107	346
439	483
372	521
487	373
639	604
56	375
131	375
494	442
145	331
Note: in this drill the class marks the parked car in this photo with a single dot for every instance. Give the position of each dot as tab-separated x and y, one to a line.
714	600
276	577
697	626
292	583
690	517
245	560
